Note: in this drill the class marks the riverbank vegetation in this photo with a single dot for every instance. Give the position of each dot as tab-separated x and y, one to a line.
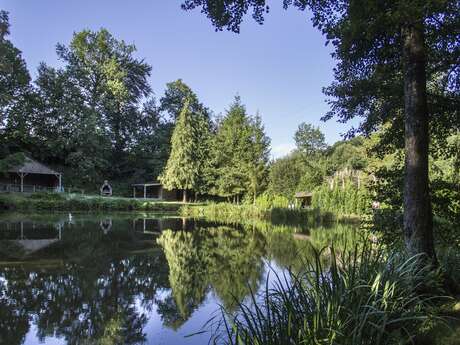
78	202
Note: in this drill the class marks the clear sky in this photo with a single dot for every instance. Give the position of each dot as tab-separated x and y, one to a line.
278	68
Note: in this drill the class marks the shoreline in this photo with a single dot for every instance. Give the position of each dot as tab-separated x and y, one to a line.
77	202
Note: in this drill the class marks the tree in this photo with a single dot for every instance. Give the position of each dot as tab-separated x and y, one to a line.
285	175
259	158
96	115
176	93
232	148
112	83
188	156
387	50
14	89
309	139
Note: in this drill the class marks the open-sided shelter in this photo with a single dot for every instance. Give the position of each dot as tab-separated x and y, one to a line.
31	176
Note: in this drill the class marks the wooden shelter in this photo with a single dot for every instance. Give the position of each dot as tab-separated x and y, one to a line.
31	176
155	190
303	199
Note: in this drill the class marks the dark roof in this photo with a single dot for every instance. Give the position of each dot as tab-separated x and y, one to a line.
303	194
147	184
31	166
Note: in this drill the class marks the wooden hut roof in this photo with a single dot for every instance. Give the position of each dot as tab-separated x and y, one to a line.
31	166
303	195
147	184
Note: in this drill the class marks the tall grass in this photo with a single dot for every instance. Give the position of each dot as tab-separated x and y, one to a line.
342	199
361	297
235	213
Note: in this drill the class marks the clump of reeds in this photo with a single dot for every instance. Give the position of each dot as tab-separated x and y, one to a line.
363	296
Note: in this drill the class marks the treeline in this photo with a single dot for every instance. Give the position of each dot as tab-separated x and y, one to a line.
337	175
96	118
351	175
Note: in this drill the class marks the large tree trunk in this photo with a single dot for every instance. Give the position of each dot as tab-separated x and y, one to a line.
418	218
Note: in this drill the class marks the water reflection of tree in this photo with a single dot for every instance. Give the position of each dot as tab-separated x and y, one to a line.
91	298
223	259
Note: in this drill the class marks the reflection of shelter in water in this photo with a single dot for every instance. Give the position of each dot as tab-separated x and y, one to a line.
156	225
31	236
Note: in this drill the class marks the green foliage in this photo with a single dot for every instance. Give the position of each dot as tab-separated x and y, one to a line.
11	161
268	201
285	175
235	213
362	296
240	154
75	202
14	91
224	258
189	152
309	140
94	117
344	198
174	98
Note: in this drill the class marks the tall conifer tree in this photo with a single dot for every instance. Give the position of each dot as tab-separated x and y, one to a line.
186	163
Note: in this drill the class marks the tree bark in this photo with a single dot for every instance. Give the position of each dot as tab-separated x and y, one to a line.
418	217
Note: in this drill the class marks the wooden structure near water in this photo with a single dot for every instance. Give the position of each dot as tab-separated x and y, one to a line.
29	177
156	191
303	199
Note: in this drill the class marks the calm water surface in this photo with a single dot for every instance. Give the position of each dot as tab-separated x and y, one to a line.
73	278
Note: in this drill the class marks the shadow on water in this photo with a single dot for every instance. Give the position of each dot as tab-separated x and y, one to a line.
133	278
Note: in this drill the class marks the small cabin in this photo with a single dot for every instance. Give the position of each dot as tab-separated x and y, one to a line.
303	199
31	176
156	191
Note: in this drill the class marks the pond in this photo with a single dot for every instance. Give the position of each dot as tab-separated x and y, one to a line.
131	278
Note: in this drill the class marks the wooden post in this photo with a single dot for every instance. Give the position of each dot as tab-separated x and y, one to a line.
22	182
145	191
60	183
134	192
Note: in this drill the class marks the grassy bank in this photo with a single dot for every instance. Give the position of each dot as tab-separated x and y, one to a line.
78	202
276	215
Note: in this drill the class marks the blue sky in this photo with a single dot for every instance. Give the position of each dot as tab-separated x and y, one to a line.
278	69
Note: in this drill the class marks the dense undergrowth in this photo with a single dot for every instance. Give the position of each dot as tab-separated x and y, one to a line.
76	202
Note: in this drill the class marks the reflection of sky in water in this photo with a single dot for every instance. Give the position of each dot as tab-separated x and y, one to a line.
269	251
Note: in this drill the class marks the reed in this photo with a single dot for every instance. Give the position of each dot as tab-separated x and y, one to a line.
363	296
